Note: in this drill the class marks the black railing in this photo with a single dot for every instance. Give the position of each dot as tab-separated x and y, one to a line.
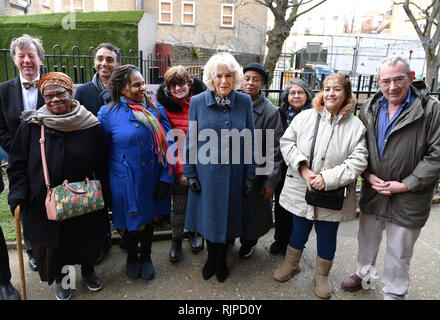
154	65
363	86
80	67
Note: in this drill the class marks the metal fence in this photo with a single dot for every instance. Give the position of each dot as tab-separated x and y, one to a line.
80	67
363	86
153	67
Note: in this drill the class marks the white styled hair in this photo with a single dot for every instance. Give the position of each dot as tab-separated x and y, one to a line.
226	60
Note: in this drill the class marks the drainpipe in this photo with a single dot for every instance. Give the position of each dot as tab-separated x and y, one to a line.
139	4
26	9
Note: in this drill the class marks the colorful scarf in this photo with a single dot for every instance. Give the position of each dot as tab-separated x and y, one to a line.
149	120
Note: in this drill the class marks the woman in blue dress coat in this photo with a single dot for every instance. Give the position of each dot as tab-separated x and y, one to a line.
140	177
219	171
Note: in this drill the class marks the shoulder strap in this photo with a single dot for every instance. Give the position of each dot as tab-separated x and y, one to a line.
314	139
43	158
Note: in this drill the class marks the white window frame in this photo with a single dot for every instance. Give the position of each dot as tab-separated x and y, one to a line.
170	12
222	15
72	8
193	13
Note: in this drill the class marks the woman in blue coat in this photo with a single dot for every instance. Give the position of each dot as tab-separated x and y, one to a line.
219	163
140	177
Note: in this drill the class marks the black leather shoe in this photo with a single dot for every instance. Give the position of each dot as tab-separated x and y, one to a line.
176	250
133	269
8	292
93	282
33	264
194	242
245	250
278	247
61	293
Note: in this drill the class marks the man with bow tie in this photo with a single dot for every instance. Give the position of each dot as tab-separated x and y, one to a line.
21	94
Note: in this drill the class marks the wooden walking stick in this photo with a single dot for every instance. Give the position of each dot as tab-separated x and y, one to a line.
17	215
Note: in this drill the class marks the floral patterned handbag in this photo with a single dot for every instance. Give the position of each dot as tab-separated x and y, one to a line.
69	200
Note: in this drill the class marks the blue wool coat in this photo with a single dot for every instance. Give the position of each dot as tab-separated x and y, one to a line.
221	211
134	169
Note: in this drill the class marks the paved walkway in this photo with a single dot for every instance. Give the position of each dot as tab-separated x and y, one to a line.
250	278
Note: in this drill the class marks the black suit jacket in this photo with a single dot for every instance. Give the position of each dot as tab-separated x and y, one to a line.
88	95
11	107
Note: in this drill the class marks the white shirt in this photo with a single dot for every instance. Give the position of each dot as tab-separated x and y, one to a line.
30	96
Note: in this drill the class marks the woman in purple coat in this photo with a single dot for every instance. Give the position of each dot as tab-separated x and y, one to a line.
140	177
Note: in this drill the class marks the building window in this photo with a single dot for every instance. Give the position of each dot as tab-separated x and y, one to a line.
46	3
166	11
100	5
227	17
188	13
77	5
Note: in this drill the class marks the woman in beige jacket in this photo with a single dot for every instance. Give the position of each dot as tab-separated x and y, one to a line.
340	157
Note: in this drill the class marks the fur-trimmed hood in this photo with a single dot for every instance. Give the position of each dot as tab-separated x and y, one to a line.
165	99
318	104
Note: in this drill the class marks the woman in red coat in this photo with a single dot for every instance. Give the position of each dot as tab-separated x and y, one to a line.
175	95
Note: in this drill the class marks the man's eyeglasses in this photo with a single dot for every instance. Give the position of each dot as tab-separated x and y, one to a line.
180	84
59	95
397	80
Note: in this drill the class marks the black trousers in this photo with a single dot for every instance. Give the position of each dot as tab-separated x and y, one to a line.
5	272
283	218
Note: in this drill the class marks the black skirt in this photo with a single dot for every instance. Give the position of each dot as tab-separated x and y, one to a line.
50	261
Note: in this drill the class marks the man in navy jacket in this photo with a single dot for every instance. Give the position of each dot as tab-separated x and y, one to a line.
96	93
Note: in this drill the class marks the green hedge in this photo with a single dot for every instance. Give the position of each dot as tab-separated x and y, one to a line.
91	29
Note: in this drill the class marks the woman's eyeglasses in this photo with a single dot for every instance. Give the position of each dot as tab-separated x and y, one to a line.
59	95
294	93
180	84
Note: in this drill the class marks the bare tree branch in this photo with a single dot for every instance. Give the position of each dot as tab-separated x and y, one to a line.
300	14
413	20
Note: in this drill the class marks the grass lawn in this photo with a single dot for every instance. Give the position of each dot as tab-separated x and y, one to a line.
6	219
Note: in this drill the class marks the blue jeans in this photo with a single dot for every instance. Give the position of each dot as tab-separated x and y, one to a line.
326	233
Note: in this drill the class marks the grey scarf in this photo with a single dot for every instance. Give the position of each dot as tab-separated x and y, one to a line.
79	118
104	92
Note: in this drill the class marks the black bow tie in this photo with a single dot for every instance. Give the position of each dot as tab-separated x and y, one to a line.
29	84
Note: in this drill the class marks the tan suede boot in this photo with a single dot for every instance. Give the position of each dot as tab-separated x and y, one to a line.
323	287
290	266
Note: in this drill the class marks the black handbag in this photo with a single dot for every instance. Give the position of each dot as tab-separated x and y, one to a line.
333	199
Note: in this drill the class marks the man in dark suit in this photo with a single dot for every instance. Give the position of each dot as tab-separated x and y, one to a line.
96	93
21	94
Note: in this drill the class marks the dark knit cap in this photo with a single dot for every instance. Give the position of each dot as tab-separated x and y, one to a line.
256	67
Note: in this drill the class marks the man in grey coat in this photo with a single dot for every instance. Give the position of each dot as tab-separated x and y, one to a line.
269	127
403	139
